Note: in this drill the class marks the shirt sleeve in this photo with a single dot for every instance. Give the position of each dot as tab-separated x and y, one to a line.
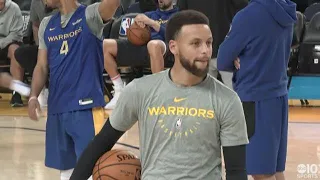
240	34
126	113
94	20
42	28
233	130
33	13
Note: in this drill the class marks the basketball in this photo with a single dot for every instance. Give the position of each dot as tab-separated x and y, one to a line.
137	35
117	164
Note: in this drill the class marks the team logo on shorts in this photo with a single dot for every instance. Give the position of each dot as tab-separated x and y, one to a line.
125	23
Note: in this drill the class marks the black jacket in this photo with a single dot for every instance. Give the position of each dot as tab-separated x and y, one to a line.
220	14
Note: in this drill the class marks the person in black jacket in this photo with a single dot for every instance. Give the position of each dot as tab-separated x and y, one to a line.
220	14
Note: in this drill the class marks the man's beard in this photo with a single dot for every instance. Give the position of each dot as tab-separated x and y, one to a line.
165	6
192	68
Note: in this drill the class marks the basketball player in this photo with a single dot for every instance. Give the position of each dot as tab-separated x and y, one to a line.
261	37
123	53
70	47
185	115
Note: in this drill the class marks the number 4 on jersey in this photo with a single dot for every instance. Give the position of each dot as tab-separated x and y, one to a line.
64	48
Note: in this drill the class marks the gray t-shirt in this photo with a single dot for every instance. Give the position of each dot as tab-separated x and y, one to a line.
37	11
181	129
93	19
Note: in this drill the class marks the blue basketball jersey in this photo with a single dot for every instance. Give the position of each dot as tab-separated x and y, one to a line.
75	59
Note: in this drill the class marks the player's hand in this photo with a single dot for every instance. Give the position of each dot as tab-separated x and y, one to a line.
142	19
237	63
34	109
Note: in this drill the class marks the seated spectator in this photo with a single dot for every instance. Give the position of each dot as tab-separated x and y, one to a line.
27	55
11	30
123	53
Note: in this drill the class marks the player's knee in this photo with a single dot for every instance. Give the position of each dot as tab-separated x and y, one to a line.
263	177
11	50
110	46
155	46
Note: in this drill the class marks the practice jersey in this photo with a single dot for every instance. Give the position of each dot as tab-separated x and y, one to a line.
75	59
181	129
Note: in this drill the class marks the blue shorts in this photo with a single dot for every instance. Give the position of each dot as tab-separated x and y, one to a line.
267	148
68	134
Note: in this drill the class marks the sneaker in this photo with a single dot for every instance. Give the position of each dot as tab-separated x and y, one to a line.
43	98
113	102
16	100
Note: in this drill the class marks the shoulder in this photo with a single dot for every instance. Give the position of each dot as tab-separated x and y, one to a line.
92	7
149	81
15	7
221	91
45	22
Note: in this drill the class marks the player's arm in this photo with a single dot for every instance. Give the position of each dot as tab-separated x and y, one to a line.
235	42
123	117
107	9
98	15
233	136
40	72
235	162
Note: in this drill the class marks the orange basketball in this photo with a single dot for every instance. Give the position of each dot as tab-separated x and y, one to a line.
117	164
137	35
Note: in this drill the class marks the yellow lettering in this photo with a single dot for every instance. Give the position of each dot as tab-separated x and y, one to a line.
60	37
171	110
210	114
163	110
180	111
202	112
154	111
194	113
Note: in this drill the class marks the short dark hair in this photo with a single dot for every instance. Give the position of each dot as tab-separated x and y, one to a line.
182	18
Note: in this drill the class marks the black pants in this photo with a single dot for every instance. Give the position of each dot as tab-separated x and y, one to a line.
27	56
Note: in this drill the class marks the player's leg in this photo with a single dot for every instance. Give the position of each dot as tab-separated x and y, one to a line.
282	154
264	145
60	152
119	53
17	72
157	50
83	126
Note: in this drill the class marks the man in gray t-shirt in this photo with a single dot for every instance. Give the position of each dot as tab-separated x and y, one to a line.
184	115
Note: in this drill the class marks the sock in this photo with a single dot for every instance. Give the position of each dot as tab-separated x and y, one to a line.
66	174
117	81
20	87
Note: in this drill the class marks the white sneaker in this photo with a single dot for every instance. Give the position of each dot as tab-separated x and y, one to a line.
113	102
43	97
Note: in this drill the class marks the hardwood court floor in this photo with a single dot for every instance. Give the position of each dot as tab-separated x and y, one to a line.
22	144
